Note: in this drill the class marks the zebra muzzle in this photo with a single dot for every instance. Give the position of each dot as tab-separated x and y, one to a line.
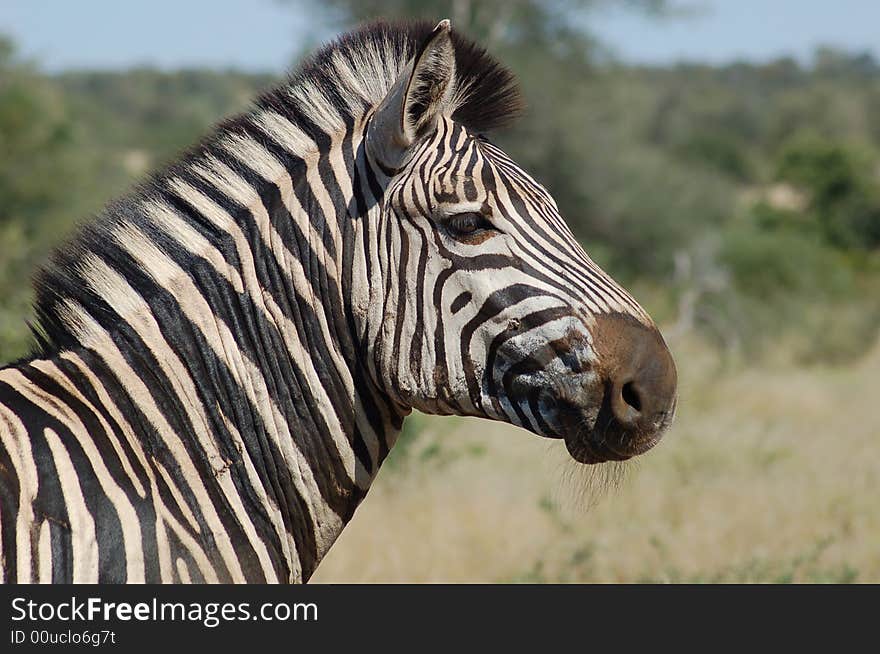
635	402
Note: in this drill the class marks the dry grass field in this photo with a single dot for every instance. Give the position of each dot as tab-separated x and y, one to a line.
770	474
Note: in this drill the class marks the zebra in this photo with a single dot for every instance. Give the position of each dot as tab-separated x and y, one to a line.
224	357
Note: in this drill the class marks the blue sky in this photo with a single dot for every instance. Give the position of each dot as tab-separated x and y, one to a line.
265	35
724	30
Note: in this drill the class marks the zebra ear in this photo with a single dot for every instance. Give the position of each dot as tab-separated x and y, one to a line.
415	102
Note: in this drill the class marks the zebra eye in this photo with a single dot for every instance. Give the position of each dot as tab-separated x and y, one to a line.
467	224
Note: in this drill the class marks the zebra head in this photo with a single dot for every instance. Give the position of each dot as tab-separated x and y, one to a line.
482	301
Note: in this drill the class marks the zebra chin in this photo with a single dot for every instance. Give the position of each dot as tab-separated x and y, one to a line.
605	438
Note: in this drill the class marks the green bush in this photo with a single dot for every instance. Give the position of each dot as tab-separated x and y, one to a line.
772	263
843	189
720	152
791	288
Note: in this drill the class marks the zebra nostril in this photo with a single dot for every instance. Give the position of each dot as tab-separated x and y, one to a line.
626	403
631	396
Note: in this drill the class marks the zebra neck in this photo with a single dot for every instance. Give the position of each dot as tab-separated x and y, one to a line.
306	222
307	388
308	227
242	343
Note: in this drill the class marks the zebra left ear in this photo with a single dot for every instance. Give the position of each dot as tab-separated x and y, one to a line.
413	105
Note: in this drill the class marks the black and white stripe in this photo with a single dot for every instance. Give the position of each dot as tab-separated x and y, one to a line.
227	356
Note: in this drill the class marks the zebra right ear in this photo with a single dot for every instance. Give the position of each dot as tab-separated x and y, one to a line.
415	101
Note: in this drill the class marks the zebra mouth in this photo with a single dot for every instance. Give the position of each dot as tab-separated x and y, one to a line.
602	438
579	409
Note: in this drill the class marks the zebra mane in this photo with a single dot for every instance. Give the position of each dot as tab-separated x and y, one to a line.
355	72
328	93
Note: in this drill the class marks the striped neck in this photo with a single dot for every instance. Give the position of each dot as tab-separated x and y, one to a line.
302	229
239	289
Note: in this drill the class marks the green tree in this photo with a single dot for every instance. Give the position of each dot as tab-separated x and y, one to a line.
493	22
35	139
39	174
843	188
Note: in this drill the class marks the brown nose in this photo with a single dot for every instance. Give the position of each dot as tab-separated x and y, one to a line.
640	377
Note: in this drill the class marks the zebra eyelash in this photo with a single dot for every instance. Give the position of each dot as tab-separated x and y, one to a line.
468	224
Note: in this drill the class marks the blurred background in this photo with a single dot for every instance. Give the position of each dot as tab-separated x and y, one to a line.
719	158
